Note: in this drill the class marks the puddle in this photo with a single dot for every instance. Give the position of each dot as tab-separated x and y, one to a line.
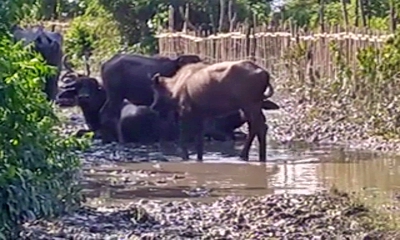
222	173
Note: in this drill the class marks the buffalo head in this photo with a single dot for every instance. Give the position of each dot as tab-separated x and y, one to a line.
86	90
164	105
90	97
162	101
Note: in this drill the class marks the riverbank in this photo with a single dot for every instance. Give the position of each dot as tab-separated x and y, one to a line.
321	215
297	121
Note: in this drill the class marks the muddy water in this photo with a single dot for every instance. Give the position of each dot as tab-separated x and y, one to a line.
297	170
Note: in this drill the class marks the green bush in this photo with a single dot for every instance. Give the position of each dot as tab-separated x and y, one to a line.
37	167
95	31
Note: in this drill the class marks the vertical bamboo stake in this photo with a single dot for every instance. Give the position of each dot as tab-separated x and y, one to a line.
345	15
322	15
392	17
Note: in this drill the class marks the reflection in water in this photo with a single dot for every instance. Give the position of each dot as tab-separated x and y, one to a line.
355	172
222	173
296	178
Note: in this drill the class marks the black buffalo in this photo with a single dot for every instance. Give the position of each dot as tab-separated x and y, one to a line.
137	86
49	45
223	128
137	124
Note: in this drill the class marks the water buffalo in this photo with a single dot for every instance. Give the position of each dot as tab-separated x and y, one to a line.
200	91
49	45
136	123
128	76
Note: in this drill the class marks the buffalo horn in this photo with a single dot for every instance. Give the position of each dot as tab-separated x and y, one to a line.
70	84
66	64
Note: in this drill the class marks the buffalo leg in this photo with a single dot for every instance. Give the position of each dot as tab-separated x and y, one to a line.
184	130
120	135
249	140
252	125
262	129
198	126
51	88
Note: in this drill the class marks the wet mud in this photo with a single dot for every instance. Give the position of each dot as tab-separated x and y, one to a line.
144	192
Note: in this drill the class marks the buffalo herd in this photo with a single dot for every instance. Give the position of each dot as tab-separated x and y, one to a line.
148	99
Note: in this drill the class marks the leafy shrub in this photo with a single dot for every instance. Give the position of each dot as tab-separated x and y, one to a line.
79	38
95	31
37	167
378	86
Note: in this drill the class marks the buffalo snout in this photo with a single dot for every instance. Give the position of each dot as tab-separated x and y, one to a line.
83	96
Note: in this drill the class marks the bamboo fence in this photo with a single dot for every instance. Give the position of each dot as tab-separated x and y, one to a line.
278	51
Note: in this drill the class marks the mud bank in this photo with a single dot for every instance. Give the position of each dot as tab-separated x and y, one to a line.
319	216
296	122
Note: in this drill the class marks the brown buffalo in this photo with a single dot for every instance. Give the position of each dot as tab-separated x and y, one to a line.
128	76
200	91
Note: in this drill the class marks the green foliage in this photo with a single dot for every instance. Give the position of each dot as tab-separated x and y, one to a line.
305	13
79	38
94	31
37	167
10	12
139	20
379	87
